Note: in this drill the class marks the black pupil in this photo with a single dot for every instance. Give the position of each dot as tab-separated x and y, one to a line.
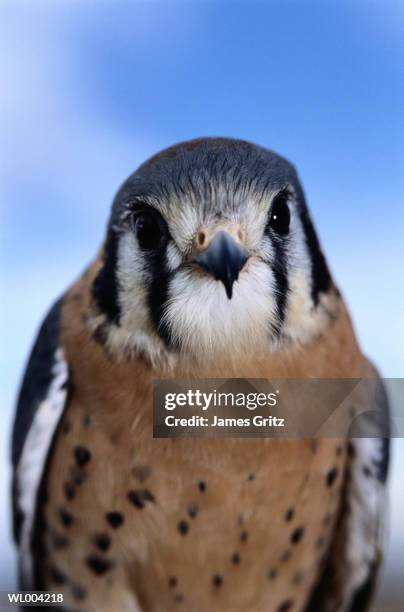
148	230
280	215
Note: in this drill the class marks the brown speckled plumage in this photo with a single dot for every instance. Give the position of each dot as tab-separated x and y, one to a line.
284	508
129	523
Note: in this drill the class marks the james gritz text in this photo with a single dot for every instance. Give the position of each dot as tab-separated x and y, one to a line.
200	421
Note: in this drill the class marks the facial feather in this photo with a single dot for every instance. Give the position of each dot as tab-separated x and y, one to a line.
170	309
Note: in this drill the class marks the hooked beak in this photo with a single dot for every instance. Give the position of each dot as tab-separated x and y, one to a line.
223	259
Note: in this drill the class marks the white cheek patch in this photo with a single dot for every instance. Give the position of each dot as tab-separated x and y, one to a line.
302	321
206	324
132	278
136	333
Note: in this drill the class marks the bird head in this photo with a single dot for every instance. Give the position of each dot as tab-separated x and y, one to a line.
210	253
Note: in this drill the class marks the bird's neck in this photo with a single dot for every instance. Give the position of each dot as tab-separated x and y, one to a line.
333	353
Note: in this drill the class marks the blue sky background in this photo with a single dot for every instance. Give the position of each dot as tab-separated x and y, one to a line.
89	90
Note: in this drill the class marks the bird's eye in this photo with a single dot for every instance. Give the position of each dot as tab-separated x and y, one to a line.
150	229
279	220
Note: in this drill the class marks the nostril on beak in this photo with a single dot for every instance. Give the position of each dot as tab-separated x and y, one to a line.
223	259
241	235
201	238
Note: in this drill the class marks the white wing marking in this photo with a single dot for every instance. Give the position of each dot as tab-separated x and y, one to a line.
33	458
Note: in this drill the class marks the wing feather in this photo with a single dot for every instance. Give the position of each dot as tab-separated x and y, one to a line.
40	406
349	576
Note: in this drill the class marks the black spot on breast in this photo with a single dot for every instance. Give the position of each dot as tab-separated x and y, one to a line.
135	498
183	527
272	574
297	535
148	496
172	582
99	565
77	474
179	598
351	450
66	518
57	576
78	592
235	559
244	536
251	477
367	471
331	476
141	472
193	510
100	334
298	578
217	580
86	420
66	427
285	556
115	519
69	490
285	606
82	455
140	497
289	515
102	541
58	540
202	486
